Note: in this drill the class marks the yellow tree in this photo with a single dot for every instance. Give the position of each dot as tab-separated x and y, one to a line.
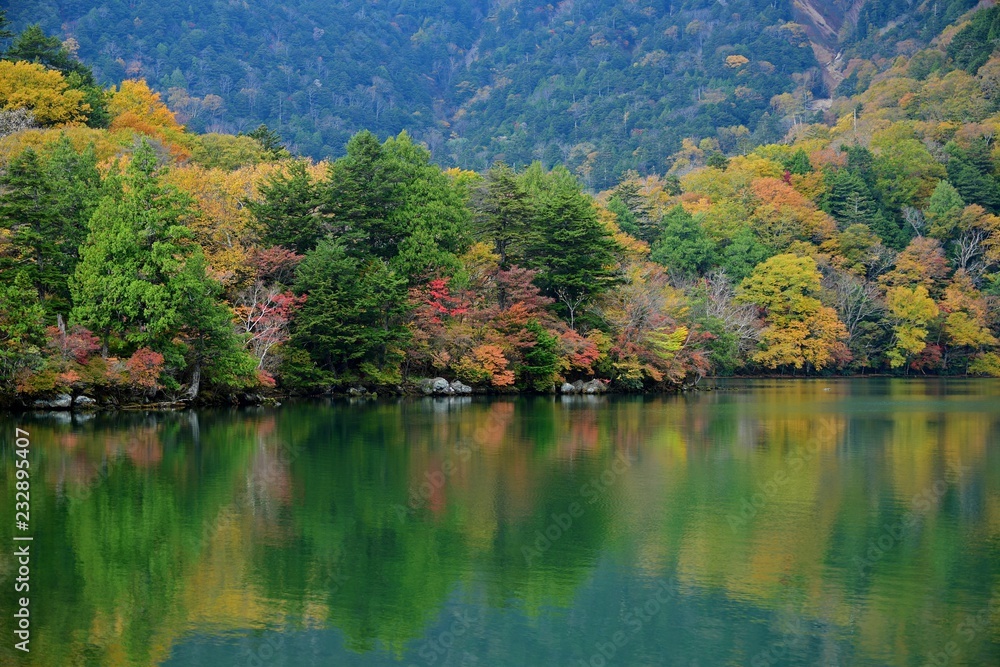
43	91
800	331
967	317
134	106
912	309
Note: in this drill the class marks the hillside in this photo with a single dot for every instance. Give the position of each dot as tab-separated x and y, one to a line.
600	85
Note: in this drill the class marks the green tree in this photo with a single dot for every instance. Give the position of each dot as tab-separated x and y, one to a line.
503	214
270	141
944	209
541	360
288	211
388	201
142	281
850	201
798	163
28	210
573	251
683	247
973	178
353	315
22	328
5	31
634	208
45	204
972	45
743	252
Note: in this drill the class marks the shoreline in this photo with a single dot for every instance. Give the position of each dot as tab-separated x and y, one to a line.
71	403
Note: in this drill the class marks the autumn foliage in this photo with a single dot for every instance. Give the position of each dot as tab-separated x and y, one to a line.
144	261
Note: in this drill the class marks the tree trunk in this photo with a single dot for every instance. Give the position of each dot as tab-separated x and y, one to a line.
192	391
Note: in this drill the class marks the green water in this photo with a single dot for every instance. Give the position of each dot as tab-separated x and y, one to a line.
774	523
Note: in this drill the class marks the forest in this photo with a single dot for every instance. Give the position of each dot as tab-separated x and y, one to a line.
143	261
599	86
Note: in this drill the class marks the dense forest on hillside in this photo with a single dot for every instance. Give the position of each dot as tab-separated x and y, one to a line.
142	261
598	85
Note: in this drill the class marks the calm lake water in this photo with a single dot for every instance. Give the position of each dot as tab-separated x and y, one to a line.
774	523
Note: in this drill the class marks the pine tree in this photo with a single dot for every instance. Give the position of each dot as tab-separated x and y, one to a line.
29	210
627	192
22	328
541	360
504	213
353	313
684	247
798	163
288	213
850	201
573	251
361	194
388	201
270	141
973	178
142	281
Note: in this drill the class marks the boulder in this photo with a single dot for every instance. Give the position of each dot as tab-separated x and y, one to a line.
84	402
357	391
439	387
593	387
60	402
578	387
567	388
460	387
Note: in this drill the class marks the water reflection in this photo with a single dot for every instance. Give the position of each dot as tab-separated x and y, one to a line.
807	522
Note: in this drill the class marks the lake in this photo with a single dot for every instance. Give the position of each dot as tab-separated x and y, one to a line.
798	522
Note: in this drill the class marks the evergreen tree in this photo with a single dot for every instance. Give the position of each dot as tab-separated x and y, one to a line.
684	247
29	210
944	208
5	31
432	210
850	201
625	218
388	201
973	178
363	190
627	192
142	281
541	360
270	141
288	212
45	204
22	328
972	45
573	251
743	252
798	163
352	319
504	213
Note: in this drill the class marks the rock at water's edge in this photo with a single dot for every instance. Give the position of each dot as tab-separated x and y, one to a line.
60	402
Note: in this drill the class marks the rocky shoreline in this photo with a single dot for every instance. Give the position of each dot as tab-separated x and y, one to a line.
436	387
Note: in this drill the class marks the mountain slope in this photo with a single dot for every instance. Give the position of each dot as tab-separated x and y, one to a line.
601	85
477	81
